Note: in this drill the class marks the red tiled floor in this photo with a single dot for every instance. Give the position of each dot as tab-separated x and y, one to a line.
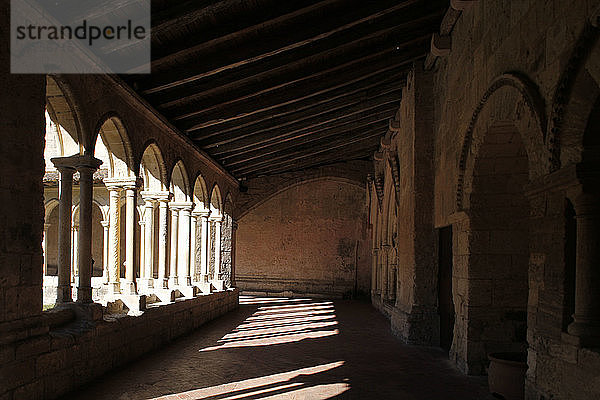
290	349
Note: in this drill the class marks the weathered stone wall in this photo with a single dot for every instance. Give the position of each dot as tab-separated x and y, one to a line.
70	354
530	68
22	168
308	239
534	40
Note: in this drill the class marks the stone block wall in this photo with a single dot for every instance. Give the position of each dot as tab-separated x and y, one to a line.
510	106
67	353
309	239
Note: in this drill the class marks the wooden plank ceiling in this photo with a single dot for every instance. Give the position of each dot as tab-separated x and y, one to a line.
270	86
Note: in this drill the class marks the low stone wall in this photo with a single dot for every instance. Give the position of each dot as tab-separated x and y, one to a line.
269	286
69	352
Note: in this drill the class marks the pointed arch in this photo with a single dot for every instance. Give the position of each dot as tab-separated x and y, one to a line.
180	182
200	197
113	146
153	169
62	109
216	200
49	206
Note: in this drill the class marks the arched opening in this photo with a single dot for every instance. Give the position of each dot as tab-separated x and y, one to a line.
227	241
113	148
215	215
497	248
51	238
180	183
62	139
152	169
200	237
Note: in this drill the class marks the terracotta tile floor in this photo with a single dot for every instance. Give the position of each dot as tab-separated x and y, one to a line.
290	349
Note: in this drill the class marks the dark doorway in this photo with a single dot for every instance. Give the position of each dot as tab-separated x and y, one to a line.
446	304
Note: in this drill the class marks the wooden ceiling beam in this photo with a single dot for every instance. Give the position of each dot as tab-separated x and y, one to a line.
281	49
290	91
290	99
237	144
327	159
304	118
252	79
283	148
300	155
353	123
364	87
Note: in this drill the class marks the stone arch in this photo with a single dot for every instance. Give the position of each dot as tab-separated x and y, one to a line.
216	201
388	202
491	250
51	238
200	197
114	138
62	108
249	206
180	183
152	169
512	98
49	205
574	98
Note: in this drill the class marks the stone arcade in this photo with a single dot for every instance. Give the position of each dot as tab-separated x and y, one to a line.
440	159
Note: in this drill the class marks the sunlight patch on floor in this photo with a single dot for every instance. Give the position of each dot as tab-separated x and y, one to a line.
279	321
299	384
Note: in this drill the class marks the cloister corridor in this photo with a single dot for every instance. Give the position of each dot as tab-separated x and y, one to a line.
290	348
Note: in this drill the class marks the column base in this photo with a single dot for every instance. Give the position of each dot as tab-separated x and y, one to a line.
114	288
135	303
219	284
165	295
161	283
64	294
84	295
173	282
128	288
145	285
205	287
188	291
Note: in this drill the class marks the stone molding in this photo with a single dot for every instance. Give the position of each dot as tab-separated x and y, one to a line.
533	99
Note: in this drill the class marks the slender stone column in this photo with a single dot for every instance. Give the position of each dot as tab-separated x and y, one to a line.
148	280
586	324
374	269
86	168
162	242
65	205
142	246
384	271
217	226
204	238
75	258
130	199
234	228
45	248
105	273
173	279
114	240
183	251
193	234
